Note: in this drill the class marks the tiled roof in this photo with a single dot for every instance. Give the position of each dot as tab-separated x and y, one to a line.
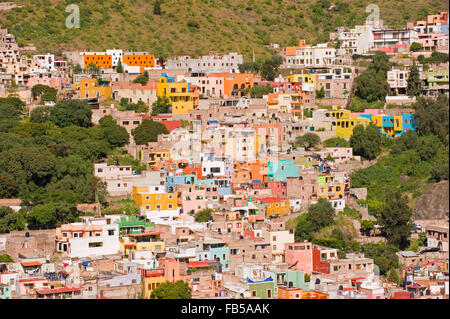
270	199
58	290
171	125
150	233
31	263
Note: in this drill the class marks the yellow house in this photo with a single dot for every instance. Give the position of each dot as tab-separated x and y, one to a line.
147	241
152	279
179	93
388	124
150	199
303	78
346	124
153	156
273	206
329	188
88	88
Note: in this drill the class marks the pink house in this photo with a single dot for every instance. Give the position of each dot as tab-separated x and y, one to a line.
173	270
56	83
278	189
193	198
300	255
208	85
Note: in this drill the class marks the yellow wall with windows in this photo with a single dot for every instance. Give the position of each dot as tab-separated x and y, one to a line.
281	208
91	87
151	283
345	126
178	93
154	201
304	78
331	191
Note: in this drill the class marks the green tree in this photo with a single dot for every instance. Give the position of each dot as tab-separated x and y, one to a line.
307	140
42	216
372	85
304	229
394	277
414	47
142	79
161	105
395	218
269	70
383	255
5	258
41	114
148	131
257	91
114	134
336	142
366	142
46	93
119	68
432	117
72	112
10	220
320	94
203	216
172	290
414	82
320	214
93	68
367	226
77	69
131	209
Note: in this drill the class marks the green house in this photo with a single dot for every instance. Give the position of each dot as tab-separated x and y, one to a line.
264	289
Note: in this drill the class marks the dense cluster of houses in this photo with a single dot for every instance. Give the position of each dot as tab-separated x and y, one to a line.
236	159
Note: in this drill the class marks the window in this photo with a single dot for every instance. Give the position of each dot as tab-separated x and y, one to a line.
111	232
158	206
96	244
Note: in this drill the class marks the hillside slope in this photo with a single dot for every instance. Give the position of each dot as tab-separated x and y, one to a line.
433	203
196	26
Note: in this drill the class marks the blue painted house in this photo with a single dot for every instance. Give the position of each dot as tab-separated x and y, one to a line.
279	171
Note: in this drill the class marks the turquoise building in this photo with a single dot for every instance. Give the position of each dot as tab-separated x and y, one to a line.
279	171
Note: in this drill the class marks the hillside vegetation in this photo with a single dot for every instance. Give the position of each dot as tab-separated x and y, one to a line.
196	26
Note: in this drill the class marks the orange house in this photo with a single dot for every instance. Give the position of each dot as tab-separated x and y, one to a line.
102	61
258	170
234	84
293	50
272	98
141	60
297	293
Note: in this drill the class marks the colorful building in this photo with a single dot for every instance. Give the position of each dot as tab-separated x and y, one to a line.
152	279
346	124
308	80
89	88
280	170
138	59
149	200
147	241
273	206
132	225
100	59
264	289
235	84
330	187
180	94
